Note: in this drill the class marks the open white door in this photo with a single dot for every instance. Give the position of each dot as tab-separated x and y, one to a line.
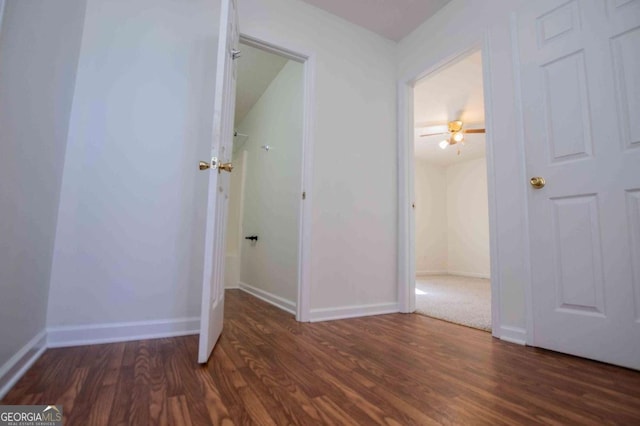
580	76
212	310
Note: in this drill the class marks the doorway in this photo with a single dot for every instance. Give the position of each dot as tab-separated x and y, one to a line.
452	254
264	244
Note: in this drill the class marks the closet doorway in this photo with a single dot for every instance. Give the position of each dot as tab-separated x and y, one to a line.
263	241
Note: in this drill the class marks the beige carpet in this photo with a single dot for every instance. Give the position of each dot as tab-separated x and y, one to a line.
461	300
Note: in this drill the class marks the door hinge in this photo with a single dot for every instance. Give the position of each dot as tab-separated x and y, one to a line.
304	195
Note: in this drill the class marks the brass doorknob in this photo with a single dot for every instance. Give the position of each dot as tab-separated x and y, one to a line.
537	182
227	167
203	165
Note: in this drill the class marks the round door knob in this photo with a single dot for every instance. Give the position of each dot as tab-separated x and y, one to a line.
203	165
537	182
227	167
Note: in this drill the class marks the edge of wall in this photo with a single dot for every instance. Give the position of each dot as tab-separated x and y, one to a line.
21	361
277	301
515	335
469	274
354	311
63	336
443	272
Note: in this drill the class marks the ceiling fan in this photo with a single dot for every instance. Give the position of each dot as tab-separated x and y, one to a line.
455	133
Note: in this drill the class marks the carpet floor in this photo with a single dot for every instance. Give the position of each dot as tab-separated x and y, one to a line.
461	300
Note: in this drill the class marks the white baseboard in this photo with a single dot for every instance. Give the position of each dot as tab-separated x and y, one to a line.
277	301
469	274
456	273
21	361
93	334
515	335
327	314
418	273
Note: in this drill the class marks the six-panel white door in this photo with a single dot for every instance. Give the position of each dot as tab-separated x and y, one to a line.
212	307
580	84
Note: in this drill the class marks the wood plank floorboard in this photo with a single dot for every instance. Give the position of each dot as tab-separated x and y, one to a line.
268	369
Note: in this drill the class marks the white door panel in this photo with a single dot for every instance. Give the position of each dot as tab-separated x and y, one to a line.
212	308
580	76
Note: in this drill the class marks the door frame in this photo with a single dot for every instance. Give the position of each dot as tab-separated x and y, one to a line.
520	139
406	217
308	61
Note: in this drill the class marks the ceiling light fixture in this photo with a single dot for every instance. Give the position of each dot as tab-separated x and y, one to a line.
456	134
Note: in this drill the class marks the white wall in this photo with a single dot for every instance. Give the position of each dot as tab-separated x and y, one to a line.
439	38
39	46
353	197
468	219
431	218
272	189
129	240
452	218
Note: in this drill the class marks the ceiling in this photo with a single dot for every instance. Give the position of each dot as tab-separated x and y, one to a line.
256	71
452	93
393	19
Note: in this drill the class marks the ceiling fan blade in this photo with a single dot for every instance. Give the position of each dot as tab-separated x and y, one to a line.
474	131
434	134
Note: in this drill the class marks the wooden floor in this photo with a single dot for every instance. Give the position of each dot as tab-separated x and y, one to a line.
270	370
